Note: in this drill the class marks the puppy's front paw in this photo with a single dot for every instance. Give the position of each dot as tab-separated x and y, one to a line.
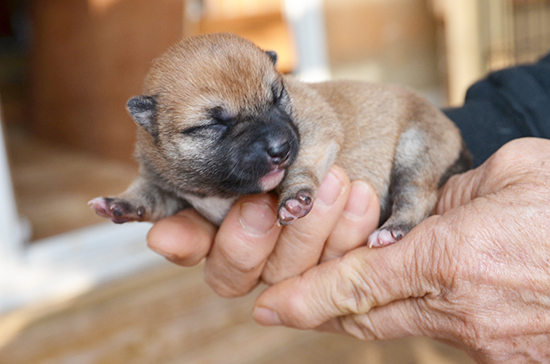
118	210
385	236
295	208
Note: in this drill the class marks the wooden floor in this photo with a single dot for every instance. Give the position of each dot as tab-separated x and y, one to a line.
165	315
53	184
168	315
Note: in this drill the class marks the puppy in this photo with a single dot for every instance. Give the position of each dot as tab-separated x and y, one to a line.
218	121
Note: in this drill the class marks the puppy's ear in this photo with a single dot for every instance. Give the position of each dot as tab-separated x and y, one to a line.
273	56
143	109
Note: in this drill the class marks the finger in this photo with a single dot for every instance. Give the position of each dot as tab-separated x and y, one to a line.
300	245
502	169
243	243
512	165
359	219
361	280
183	239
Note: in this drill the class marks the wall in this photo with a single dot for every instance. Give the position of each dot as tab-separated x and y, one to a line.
383	40
89	58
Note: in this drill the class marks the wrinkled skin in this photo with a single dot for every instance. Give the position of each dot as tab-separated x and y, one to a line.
475	275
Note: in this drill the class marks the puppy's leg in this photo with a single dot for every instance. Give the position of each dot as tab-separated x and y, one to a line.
423	162
296	197
299	188
142	201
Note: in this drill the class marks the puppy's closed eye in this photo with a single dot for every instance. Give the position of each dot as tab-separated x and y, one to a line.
205	129
219	121
221	117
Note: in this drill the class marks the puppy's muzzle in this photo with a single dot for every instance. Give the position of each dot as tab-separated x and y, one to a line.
254	157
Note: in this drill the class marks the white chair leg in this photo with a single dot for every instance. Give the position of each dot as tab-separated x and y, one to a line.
306	20
11	232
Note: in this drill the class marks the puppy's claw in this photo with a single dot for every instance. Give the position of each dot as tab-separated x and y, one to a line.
295	208
384	237
119	211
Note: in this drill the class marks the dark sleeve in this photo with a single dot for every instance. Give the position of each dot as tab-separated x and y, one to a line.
508	104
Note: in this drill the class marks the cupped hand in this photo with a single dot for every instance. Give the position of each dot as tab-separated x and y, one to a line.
476	274
249	246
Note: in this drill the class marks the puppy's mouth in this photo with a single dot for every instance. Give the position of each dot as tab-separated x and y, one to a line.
256	160
272	179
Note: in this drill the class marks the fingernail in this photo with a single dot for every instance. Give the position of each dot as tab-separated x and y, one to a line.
359	199
266	317
256	218
329	190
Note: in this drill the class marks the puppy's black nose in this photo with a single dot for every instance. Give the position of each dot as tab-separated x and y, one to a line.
279	152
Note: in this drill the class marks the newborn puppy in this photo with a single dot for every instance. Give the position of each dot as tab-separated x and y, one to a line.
218	121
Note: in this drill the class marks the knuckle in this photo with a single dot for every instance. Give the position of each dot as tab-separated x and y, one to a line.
225	286
296	251
240	259
354	293
436	260
359	326
299	235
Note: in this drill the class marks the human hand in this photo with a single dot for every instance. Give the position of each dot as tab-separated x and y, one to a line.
249	247
476	275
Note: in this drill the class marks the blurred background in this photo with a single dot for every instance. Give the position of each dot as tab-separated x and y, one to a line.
76	290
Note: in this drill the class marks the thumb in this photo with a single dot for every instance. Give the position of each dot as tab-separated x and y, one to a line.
352	285
506	167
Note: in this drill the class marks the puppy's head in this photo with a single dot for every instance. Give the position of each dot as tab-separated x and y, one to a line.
216	117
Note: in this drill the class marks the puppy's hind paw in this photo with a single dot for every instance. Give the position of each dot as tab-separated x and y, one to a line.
118	210
295	208
384	237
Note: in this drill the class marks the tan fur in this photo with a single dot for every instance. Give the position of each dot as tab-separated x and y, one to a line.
386	135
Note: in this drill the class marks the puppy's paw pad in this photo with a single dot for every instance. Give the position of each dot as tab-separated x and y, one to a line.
384	237
118	210
295	208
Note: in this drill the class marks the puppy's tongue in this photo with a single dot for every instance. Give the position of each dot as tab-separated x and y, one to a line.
271	180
